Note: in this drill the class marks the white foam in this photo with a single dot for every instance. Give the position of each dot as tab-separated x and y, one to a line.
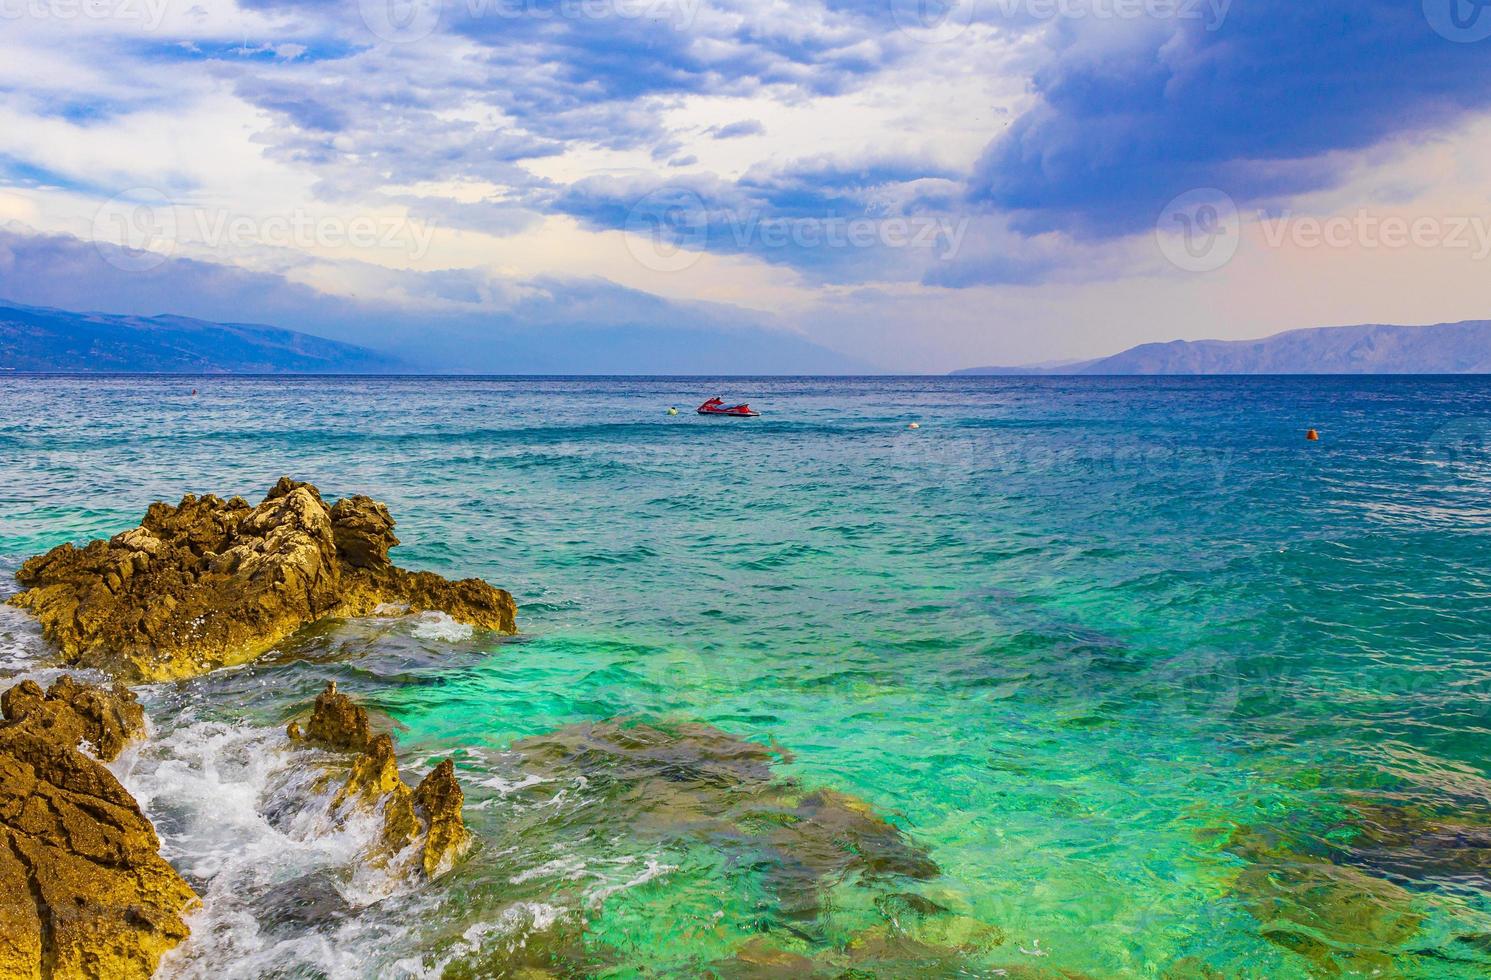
24	655
654	868
240	810
440	626
506	786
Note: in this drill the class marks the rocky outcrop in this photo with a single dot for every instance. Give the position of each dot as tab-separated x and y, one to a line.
214	582
427	817
86	892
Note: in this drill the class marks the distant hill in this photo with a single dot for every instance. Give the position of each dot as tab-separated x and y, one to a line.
1446	348
41	339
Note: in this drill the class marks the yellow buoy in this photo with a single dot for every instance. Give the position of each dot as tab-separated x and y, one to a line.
672	410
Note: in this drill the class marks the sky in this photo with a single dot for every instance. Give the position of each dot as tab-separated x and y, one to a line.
798	187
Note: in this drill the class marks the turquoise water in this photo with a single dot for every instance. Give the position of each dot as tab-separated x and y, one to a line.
1161	688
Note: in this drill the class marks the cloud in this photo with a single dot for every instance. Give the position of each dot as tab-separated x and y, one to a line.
833	221
746	127
1130	113
457	320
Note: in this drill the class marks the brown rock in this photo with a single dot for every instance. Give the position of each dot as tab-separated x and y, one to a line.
439	799
338	722
88	894
429	816
375	773
363	531
78	714
211	583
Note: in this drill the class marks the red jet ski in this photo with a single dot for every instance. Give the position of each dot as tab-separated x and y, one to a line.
717	406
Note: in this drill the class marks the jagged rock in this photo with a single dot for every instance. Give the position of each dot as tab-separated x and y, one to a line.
338	722
89	895
375	773
78	714
438	796
428	816
211	583
363	531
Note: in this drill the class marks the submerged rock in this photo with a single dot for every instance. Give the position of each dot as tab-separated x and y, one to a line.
531	950
88	894
1416	845
1342	921
933	943
210	583
693	781
427	817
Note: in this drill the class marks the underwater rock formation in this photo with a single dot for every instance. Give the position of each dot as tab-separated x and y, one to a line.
428	816
1416	845
691	781
933	942
1340	920
210	583
87	892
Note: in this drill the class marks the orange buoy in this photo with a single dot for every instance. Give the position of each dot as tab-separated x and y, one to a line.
1312	436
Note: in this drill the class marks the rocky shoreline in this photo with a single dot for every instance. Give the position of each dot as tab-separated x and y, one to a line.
87	892
211	583
205	584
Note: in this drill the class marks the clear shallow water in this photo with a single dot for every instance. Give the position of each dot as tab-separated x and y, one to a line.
1161	688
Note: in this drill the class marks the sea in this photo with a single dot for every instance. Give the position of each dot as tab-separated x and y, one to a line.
1122	677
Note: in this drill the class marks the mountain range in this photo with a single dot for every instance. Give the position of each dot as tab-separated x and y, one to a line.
1445	348
41	339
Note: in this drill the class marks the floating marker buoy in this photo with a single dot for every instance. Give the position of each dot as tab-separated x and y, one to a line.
1312	436
672	410
914	425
